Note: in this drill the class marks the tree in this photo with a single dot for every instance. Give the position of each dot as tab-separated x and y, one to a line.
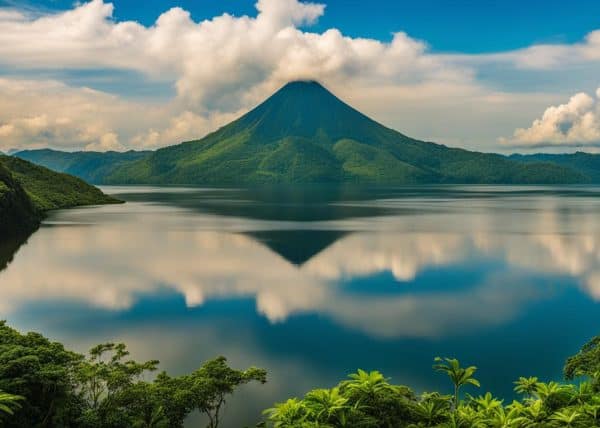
585	363
207	388
458	375
113	389
41	371
107	389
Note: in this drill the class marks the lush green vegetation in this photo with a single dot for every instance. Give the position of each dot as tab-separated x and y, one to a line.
27	190
586	163
303	134
51	190
105	389
18	215
89	166
42	384
369	400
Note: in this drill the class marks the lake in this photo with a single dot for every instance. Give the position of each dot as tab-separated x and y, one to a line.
314	282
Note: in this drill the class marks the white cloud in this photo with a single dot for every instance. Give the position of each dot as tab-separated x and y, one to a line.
225	65
40	113
218	67
575	123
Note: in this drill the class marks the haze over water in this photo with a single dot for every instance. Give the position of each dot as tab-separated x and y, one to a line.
312	283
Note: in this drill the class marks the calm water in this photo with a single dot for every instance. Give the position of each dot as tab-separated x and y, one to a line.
313	283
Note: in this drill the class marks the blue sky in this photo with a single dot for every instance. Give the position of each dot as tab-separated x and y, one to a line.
473	26
486	75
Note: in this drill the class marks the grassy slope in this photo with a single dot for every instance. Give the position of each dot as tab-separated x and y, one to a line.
51	190
305	134
89	166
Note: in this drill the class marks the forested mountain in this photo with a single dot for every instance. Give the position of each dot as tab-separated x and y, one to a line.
89	166
585	163
305	134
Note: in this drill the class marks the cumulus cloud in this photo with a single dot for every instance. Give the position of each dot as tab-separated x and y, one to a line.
42	113
575	123
36	113
220	67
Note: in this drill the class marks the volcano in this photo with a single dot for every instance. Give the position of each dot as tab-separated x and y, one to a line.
305	134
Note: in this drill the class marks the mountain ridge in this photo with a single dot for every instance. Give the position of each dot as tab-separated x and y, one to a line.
305	134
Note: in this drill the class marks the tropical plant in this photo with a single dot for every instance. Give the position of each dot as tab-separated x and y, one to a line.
567	418
460	376
526	386
289	414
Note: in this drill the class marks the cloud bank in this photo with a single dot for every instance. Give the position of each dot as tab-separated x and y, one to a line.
221	67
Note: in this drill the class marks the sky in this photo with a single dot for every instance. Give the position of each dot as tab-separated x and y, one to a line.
504	76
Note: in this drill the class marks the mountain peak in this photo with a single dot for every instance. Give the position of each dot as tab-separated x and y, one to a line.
303	88
306	109
303	83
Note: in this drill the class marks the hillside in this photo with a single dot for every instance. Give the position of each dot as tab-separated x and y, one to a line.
89	166
27	190
17	212
303	133
52	190
586	163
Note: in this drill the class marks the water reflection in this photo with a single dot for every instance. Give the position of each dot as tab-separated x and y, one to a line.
208	265
312	285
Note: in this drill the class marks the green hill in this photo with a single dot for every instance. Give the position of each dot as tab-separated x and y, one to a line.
586	163
27	190
89	166
303	134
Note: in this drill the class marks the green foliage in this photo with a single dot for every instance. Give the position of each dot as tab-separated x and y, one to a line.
27	190
51	190
43	373
585	363
106	389
18	216
206	389
44	385
585	163
9	403
369	400
458	375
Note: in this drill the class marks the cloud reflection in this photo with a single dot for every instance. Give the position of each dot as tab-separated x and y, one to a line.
111	265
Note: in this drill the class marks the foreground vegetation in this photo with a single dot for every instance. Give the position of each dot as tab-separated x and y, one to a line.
44	385
369	400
